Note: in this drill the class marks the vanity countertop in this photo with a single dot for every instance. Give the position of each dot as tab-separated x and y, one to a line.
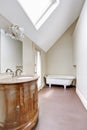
20	79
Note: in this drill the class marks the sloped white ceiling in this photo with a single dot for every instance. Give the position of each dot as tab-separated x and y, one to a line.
64	15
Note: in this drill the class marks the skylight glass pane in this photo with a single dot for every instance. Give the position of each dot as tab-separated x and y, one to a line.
36	9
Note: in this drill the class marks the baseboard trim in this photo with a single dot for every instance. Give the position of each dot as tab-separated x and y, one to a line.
83	100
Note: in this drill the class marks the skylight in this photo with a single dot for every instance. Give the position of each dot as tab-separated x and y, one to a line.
38	10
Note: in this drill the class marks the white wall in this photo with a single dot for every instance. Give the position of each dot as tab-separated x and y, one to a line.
28	56
80	45
60	56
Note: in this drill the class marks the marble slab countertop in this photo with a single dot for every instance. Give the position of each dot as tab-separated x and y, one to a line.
19	79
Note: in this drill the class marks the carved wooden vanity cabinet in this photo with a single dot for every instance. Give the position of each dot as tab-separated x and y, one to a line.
18	105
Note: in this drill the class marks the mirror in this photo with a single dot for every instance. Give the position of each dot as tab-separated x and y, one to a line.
10	52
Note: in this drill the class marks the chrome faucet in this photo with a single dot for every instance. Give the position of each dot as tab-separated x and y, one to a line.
11	72
7	70
18	72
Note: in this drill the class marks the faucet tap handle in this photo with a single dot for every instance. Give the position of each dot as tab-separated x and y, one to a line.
11	72
18	72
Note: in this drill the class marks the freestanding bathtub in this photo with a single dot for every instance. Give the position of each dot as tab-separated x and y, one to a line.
59	80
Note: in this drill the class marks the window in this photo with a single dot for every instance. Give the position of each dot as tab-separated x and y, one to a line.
38	66
38	10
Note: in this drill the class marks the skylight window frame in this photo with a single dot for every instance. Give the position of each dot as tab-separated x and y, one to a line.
44	15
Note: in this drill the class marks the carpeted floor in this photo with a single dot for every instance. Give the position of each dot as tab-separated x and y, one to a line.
60	109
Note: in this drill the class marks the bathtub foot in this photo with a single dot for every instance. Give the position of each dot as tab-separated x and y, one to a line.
64	86
49	85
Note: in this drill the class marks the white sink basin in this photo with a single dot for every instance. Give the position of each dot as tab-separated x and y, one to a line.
25	77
